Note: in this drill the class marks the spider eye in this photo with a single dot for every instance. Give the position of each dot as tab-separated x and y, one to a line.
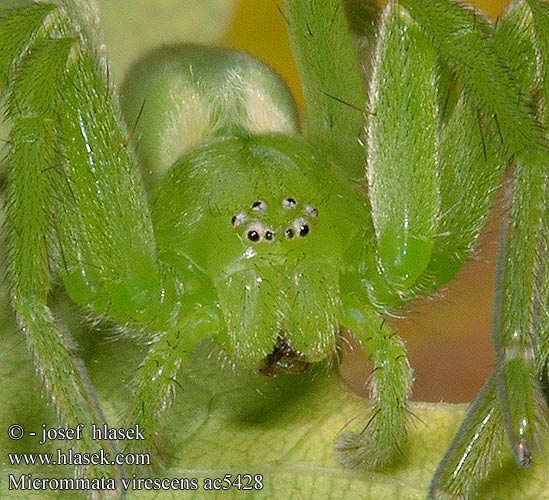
255	232
289	203
310	211
289	234
238	219
301	227
269	235
259	206
253	235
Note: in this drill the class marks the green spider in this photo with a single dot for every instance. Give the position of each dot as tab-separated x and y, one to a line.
265	239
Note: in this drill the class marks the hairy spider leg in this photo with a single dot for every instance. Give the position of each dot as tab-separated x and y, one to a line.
36	82
520	335
520	319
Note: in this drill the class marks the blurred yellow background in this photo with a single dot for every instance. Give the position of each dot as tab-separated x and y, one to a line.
448	337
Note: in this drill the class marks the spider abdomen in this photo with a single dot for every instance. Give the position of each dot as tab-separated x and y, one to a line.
180	95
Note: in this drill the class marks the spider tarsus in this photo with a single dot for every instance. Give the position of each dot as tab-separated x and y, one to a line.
362	451
522	454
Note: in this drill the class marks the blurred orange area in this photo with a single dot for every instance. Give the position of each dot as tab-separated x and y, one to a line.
449	336
258	27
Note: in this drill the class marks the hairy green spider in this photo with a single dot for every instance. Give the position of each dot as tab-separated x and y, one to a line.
253	234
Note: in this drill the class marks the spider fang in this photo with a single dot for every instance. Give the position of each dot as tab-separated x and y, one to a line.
283	359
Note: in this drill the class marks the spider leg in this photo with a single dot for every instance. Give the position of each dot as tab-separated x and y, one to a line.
156	381
471	167
195	317
381	441
105	235
103	230
402	143
490	123
520	319
519	314
474	449
448	151
111	263
322	47
76	202
35	84
512	402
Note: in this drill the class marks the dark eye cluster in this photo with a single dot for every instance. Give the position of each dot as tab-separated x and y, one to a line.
300	226
257	231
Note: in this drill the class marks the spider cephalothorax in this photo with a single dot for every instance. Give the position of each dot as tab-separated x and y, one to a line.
274	265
